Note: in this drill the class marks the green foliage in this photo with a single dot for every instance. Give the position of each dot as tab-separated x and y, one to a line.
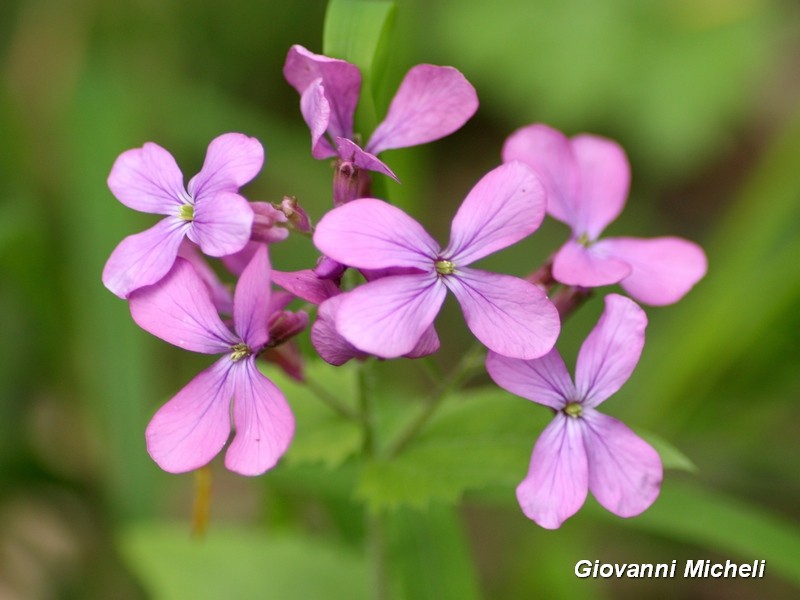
479	438
322	436
236	562
358	31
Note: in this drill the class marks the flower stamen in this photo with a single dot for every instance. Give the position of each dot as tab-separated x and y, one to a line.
444	267
573	409
240	351
186	212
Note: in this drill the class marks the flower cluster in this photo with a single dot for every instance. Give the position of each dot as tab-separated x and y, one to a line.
174	294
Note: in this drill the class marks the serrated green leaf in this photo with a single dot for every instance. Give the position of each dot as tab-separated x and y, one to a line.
237	563
480	438
321	436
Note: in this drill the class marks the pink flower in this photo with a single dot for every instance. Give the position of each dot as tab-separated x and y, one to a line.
387	317
432	102
587	179
583	449
211	213
190	429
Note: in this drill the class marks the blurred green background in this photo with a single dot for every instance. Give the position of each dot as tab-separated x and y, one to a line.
705	97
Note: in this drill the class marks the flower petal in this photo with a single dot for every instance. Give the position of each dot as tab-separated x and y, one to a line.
427	344
557	481
148	179
252	299
549	153
625	472
388	317
544	380
316	113
352	152
221	224
508	315
328	342
306	285
191	429
610	353
605	177
506	205
432	102
264	422
663	269
575	264
232	160
220	294
340	80
372	234
179	310
143	258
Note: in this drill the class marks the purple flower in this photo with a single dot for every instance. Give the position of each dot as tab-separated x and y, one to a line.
583	449
432	102
190	429
211	213
587	179
387	317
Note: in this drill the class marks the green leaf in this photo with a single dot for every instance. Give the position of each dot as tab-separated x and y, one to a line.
357	31
428	553
671	457
234	562
322	436
480	438
687	513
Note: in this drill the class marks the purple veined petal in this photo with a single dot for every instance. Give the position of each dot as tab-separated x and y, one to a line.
221	224
352	152
428	344
372	234
543	380
178	309
317	113
432	102
191	429
509	315
549	153
232	160
144	258
221	296
388	317
148	179
625	472
328	342
592	266
269	224
506	205
306	285
605	177
557	481
251	300
611	351
264	422
278	300
236	262
340	80
663	269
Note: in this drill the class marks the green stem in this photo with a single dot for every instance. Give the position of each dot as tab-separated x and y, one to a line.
461	373
331	401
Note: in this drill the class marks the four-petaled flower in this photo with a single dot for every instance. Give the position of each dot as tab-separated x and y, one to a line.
430	103
190	429
587	179
583	449
211	213
388	316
